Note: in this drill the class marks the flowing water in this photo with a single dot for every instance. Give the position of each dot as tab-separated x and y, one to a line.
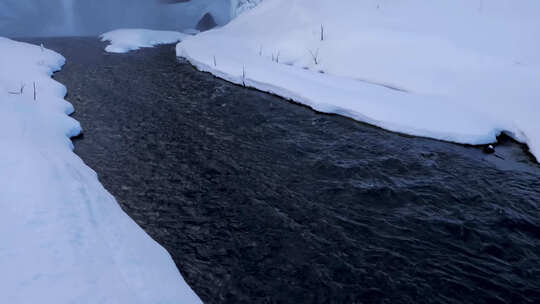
67	6
260	200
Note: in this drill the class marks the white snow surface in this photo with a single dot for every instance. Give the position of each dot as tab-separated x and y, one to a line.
125	40
240	6
64	238
456	70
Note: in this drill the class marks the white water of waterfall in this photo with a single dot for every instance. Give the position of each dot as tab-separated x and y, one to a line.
19	18
69	18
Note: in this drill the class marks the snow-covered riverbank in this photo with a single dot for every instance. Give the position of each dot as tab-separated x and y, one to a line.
65	239
460	71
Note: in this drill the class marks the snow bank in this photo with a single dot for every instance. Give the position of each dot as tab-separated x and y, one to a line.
64	238
455	70
125	40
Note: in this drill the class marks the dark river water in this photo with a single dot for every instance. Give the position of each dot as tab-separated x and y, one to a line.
263	201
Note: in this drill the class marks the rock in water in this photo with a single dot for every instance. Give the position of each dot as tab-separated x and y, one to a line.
489	149
206	23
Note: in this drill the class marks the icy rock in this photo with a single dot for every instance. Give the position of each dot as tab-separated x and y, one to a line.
489	149
206	23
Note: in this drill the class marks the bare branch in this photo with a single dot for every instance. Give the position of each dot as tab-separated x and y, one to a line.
244	75
20	92
315	56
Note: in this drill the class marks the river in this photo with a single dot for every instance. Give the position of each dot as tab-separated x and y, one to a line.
260	200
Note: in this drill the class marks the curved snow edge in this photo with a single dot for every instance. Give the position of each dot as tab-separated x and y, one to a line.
319	105
69	240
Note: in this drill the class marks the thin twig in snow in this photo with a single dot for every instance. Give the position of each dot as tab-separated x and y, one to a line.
20	92
244	75
315	56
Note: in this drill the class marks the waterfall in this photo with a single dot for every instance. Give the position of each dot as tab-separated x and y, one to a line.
69	18
19	18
